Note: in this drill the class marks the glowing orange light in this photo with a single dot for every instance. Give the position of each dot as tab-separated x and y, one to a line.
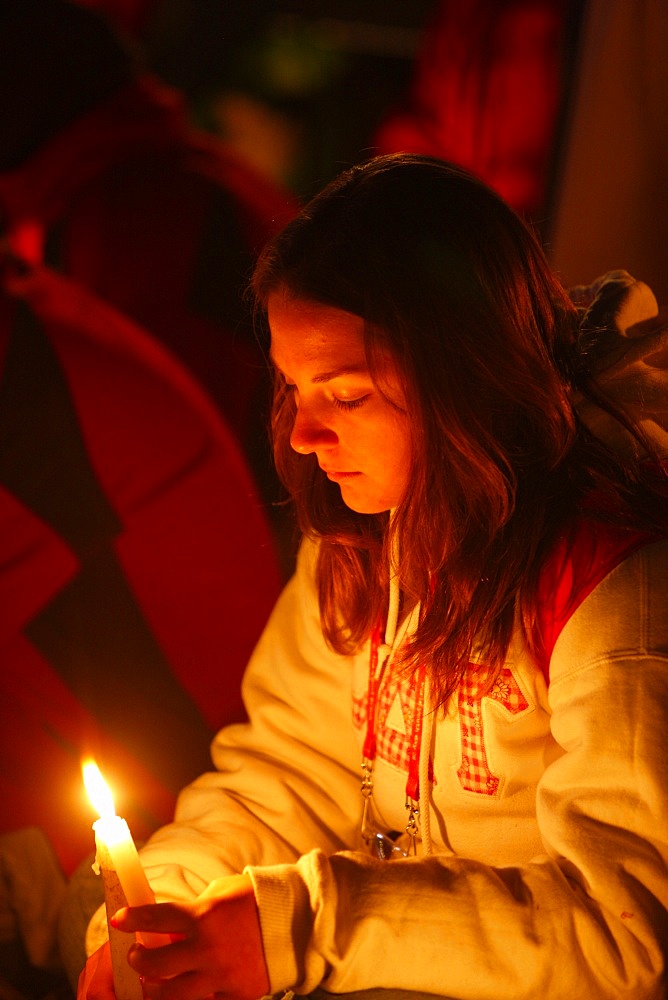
98	790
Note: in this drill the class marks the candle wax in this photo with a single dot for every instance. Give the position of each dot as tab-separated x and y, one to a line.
116	852
113	832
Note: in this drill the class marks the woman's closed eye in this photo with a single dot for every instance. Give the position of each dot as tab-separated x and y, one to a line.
349	404
341	404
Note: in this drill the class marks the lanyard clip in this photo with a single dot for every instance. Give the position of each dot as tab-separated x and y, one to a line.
413	824
367	791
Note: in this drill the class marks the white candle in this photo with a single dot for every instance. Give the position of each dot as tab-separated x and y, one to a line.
113	833
124	880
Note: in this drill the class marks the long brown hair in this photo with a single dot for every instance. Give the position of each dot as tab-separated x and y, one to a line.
454	283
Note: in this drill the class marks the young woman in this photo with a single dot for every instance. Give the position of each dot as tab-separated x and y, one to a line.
478	614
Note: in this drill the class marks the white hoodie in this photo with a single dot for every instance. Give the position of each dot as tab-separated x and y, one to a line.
545	871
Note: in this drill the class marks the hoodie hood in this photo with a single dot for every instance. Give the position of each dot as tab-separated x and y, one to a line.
624	342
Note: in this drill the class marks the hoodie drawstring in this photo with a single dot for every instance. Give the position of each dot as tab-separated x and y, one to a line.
419	778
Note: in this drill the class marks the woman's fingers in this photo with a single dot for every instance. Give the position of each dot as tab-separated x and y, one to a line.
162	918
175	980
161	963
216	944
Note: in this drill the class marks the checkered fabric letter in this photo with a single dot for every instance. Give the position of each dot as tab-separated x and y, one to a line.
474	773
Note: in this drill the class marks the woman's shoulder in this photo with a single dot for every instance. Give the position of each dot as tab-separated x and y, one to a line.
581	558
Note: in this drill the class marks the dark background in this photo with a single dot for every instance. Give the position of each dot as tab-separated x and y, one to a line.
322	74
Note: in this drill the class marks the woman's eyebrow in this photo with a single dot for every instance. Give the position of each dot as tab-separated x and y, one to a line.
328	376
339	372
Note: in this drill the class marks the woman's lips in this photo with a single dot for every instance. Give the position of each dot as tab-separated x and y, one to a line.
336	475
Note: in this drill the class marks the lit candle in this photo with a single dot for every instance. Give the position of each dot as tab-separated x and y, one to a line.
124	880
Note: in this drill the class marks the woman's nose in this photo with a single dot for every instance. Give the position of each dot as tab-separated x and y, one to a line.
309	433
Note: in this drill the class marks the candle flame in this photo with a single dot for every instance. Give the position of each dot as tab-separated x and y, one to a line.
98	790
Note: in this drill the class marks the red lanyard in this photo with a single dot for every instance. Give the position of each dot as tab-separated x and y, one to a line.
369	749
413	782
415	735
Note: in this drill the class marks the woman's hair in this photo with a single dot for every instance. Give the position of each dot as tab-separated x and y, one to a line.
448	278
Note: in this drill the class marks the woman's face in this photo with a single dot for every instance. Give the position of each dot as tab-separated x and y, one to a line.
359	433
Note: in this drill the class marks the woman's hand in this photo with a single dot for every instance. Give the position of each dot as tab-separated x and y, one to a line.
217	948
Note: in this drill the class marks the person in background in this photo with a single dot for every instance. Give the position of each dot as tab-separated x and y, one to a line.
488	92
103	178
137	569
478	615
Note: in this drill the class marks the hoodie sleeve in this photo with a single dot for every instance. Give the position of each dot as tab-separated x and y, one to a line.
284	782
585	919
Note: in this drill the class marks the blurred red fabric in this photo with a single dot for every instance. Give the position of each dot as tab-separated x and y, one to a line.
486	93
137	567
